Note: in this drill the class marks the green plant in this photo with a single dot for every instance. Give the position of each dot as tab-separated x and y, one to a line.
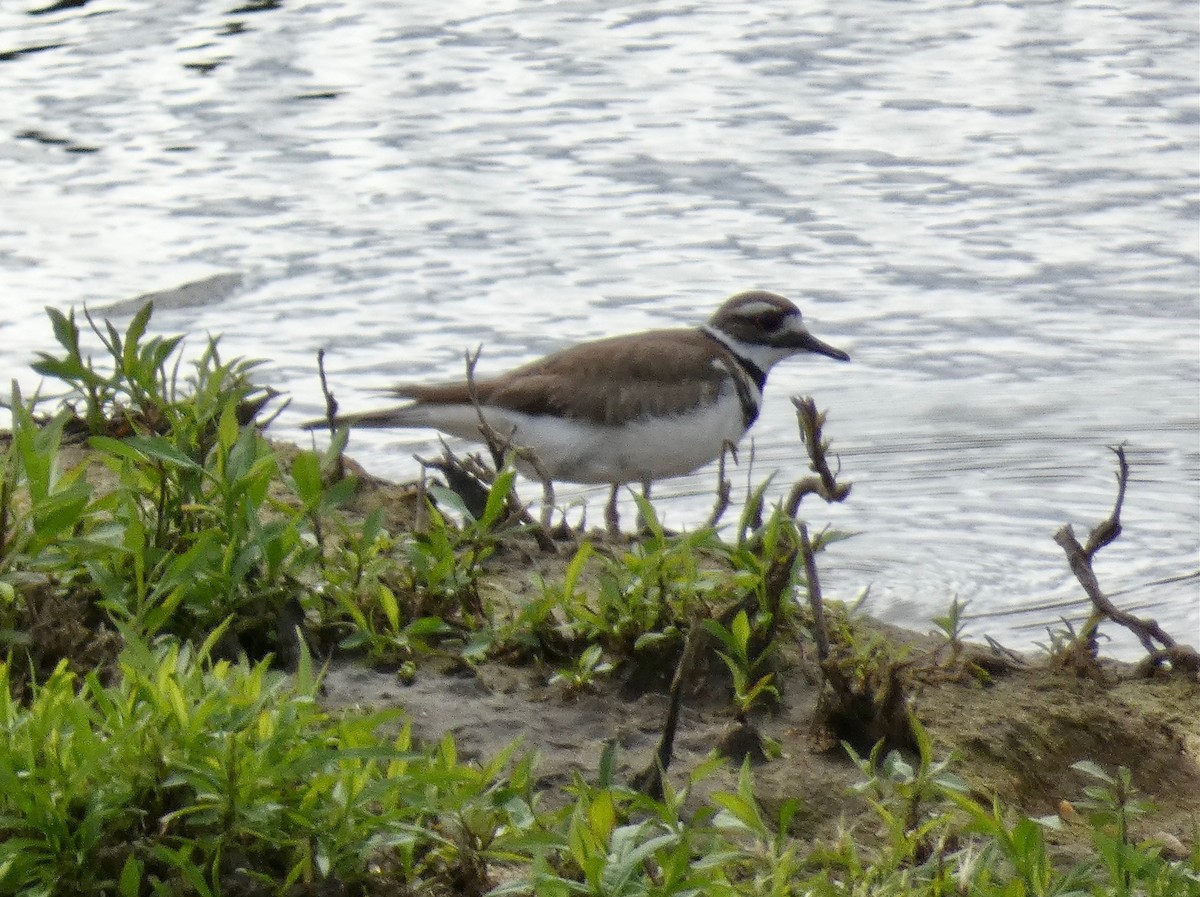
360	603
615	843
589	666
189	532
952	626
910	800
650	591
1110	805
543	625
55	504
213	543
445	561
141	392
189	770
736	640
772	858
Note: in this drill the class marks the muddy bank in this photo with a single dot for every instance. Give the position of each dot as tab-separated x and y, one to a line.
1015	731
1016	738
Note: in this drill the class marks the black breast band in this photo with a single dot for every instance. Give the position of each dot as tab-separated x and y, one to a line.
756	374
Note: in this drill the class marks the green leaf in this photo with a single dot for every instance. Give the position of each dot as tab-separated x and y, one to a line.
339	492
650	639
608	764
391	608
575	568
787	812
602	815
133	336
129	884
741	631
60	511
306	472
649	517
627	857
1093	769
752	510
156	448
427	626
65	369
741	810
64	328
497	499
590	657
228	428
720	633
449	499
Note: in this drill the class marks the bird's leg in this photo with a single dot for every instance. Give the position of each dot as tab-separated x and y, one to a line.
547	504
611	520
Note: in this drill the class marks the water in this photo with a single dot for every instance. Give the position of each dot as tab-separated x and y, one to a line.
993	206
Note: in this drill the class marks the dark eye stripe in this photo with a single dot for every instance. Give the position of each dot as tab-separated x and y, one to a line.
770	320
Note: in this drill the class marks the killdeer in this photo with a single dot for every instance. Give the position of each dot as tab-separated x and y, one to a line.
627	409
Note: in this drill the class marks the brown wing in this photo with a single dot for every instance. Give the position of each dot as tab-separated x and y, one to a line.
610	381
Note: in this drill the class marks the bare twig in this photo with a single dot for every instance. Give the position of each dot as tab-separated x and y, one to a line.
870	703
331	404
1080	559
649	781
815	601
1007	655
824	483
331	410
499	446
421	519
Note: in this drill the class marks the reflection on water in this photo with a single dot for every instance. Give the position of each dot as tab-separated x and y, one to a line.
992	206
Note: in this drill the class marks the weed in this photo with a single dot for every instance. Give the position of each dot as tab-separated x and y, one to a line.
141	392
589	666
199	770
952	625
743	668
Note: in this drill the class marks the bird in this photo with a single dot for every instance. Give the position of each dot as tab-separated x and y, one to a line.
635	408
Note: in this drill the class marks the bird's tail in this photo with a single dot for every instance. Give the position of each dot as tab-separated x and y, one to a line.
400	416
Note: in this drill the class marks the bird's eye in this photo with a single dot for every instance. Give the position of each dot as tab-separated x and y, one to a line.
771	320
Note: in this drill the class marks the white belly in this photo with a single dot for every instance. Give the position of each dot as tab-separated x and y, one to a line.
575	451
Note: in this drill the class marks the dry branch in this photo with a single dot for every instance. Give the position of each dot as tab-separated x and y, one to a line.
499	446
649	781
1080	557
865	700
824	483
331	410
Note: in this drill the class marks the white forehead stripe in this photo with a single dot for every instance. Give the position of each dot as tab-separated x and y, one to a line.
757	307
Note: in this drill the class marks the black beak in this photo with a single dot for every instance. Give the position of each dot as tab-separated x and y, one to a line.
806	342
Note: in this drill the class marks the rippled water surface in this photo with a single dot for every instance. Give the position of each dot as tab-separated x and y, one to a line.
992	206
